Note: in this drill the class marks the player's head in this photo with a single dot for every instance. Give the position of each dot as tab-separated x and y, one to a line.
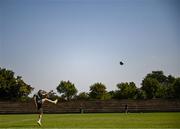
42	93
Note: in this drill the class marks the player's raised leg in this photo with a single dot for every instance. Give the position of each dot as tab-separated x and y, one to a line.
51	101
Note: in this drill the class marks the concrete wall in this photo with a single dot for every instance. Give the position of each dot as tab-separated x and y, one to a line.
7	107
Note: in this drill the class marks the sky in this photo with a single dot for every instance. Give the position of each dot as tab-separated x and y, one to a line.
46	41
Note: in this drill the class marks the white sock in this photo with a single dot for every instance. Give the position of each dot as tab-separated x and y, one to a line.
40	117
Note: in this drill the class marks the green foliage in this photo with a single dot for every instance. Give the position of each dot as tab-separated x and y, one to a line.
82	96
67	90
12	87
107	96
157	85
176	86
154	85
161	91
150	86
126	90
140	94
167	90
158	75
98	91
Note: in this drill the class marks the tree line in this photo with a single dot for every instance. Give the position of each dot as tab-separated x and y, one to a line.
154	85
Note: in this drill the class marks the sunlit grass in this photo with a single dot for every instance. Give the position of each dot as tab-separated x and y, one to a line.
104	120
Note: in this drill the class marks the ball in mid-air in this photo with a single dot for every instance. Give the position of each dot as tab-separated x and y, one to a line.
121	63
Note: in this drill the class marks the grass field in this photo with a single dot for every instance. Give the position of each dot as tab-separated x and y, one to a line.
91	121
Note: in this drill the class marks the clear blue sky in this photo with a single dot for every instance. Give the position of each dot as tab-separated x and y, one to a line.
46	41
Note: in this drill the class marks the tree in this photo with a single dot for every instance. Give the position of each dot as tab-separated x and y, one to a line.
82	96
161	91
98	91
113	94
176	87
164	89
170	79
150	86
140	94
67	89
12	87
158	75
126	90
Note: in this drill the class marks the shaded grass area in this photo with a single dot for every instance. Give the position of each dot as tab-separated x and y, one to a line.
96	120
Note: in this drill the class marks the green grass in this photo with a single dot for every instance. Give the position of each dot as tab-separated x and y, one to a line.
90	121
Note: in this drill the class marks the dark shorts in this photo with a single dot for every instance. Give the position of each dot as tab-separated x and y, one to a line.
39	105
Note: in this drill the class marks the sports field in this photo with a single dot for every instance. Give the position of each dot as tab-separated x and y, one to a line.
93	121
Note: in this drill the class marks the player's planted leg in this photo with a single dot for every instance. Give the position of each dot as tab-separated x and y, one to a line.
40	117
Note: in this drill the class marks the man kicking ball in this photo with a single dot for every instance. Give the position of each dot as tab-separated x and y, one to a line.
39	98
